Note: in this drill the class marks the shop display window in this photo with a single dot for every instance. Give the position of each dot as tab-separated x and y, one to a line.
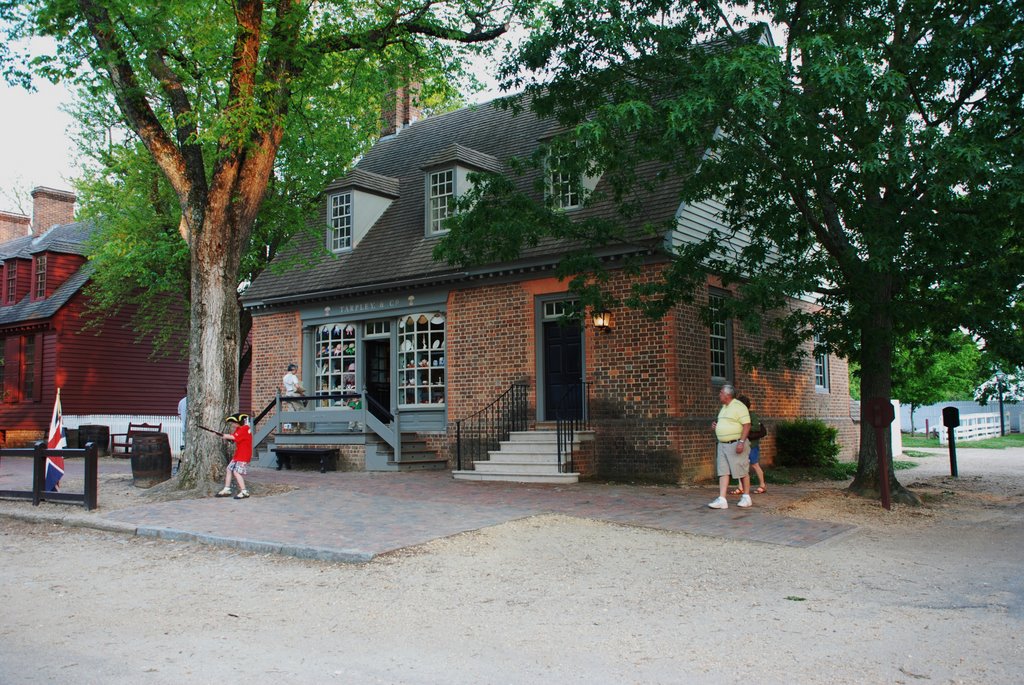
335	361
421	359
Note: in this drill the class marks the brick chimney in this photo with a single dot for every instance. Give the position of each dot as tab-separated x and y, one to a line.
13	225
400	109
51	207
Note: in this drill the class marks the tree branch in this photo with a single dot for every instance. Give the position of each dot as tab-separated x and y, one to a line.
132	100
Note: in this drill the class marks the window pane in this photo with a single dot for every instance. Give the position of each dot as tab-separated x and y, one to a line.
562	187
335	361
12	282
421	359
28	380
341	221
820	366
720	340
442	190
41	276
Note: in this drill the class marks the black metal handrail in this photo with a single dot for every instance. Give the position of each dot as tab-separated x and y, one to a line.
572	413
483	431
380	410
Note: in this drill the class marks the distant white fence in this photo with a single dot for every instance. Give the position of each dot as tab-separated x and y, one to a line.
972	427
118	423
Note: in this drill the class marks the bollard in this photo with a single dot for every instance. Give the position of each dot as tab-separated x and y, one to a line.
951	419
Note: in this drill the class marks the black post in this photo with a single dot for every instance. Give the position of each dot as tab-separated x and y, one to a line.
91	475
951	419
458	445
38	472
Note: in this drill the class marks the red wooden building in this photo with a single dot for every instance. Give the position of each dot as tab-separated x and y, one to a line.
44	340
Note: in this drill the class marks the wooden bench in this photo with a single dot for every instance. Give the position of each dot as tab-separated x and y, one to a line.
121	443
326	455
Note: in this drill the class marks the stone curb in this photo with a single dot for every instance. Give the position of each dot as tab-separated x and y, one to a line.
75	521
259	546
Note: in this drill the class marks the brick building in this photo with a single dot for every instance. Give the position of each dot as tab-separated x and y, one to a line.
46	341
433	343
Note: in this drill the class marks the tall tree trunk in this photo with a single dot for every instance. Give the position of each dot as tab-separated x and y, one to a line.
214	346
876	381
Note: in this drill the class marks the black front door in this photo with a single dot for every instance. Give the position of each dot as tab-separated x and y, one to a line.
378	377
563	370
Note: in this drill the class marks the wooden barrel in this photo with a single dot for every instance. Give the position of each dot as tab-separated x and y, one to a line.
151	459
100	435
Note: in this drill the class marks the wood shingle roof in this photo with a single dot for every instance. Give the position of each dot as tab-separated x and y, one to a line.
396	252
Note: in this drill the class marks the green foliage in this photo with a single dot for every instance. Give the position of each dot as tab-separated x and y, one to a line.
871	161
929	369
806	442
180	111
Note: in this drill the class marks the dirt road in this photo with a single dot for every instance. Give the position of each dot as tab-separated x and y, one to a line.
933	595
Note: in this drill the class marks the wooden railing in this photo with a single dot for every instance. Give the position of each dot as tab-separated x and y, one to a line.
37	494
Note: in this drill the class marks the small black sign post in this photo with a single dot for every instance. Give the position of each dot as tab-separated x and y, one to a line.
880	415
951	419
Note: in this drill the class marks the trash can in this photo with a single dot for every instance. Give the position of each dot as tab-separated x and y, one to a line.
151	459
100	435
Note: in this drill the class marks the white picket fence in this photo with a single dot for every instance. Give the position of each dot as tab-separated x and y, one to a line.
972	427
118	423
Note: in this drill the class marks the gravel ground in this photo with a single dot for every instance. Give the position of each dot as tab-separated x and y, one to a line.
932	594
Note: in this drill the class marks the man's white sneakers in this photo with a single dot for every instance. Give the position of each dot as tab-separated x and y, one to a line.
720	503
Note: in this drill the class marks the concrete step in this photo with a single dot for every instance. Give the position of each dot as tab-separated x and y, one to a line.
508	466
558	478
524	455
533	437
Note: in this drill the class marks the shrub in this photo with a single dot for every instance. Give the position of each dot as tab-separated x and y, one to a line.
806	442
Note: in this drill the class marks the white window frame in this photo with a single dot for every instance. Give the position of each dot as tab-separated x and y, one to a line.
720	340
563	189
821	370
340	218
440	196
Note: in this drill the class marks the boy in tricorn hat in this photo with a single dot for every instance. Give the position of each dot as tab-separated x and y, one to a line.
239	464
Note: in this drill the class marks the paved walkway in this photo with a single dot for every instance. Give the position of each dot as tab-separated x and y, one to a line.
355	516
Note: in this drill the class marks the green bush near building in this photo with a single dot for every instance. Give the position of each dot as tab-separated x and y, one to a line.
809	443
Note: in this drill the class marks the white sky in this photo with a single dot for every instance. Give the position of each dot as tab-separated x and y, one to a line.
35	147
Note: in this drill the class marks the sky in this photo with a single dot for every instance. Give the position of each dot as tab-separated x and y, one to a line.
35	144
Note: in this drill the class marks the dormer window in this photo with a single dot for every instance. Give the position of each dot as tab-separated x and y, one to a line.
12	282
563	187
442	193
40	291
341	222
567	184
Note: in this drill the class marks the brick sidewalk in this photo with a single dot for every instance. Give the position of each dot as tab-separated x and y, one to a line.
355	516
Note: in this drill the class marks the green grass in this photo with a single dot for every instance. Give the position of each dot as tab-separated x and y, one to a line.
919	441
916	454
1011	440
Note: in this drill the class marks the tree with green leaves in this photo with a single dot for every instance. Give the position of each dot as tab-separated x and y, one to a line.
927	370
209	90
872	160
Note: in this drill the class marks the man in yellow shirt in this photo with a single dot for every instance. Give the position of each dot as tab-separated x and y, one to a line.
732	459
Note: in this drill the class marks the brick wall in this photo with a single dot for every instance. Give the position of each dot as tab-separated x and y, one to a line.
13	225
277	342
51	207
652	399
